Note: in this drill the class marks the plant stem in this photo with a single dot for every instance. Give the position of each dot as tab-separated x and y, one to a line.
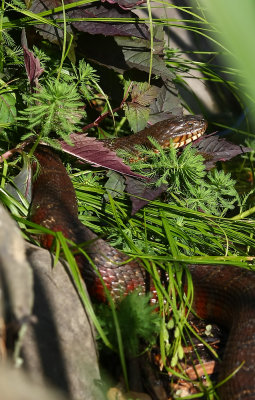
64	41
35	145
1	36
111	111
151	39
101	118
244	214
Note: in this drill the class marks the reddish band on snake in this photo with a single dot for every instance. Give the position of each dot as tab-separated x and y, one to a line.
223	294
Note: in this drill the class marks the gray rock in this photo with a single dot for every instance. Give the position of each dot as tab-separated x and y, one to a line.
16	385
16	279
57	344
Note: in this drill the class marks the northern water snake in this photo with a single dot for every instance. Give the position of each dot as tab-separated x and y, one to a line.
224	294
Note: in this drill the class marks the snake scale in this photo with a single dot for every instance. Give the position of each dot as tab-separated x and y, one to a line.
223	294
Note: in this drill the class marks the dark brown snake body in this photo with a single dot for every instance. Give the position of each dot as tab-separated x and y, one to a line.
223	294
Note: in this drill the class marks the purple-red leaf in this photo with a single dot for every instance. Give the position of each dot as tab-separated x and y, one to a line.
95	153
33	67
91	12
108	28
125	4
145	192
214	149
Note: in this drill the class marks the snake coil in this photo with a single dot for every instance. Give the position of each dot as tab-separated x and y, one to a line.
223	294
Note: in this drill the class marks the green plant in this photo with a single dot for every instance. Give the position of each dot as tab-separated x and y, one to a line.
168	233
184	174
55	108
138	322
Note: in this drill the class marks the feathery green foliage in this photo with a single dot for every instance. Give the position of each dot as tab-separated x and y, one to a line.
184	174
56	108
86	77
163	232
137	319
167	167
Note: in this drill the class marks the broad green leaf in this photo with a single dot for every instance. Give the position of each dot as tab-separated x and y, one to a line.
20	188
7	108
144	94
114	185
137	116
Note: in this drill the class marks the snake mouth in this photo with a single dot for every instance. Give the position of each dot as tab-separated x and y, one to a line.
183	140
178	131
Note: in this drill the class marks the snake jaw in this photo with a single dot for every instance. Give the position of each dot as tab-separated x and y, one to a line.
179	130
186	139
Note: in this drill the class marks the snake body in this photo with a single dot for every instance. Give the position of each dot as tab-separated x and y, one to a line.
223	294
180	130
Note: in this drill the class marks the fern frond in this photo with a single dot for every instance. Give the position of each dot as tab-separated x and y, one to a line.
137	321
56	108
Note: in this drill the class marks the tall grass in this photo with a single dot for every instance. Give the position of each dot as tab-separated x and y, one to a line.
233	26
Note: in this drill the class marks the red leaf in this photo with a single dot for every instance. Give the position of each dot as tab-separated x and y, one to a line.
125	4
94	152
32	63
106	11
140	189
214	149
109	28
